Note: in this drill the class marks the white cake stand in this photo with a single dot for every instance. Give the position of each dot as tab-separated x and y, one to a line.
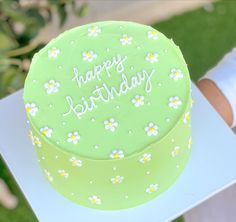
211	169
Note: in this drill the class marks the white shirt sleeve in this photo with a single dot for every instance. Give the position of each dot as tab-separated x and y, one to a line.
224	76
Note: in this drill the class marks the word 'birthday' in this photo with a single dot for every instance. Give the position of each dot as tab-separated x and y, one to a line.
102	92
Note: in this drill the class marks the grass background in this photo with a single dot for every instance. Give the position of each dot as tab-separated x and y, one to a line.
204	36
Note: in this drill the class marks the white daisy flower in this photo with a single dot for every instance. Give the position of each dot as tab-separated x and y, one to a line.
126	40
110	124
117	179
37	142
53	52
75	162
153	35
175	151
63	173
152	57
48	175
93	31
190	142
117	154
73	137
145	158
51	86
187	118
31	108
95	200
138	100
89	56
151	129
46	131
152	188
176	74
175	102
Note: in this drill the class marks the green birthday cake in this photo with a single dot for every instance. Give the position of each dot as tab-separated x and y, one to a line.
109	106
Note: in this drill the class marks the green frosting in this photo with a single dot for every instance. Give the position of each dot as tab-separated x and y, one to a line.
109	105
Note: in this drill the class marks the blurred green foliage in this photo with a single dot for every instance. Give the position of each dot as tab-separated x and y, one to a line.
20	24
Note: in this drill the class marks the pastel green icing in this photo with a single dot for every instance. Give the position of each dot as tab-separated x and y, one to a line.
57	61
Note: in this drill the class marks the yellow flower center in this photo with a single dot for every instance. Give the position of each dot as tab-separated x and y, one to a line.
50	85
154	33
45	132
152	56
109	123
175	102
88	54
126	38
138	100
62	173
93	29
116	155
94	200
151	129
177	73
187	117
73	137
116	180
146	159
152	189
74	162
28	109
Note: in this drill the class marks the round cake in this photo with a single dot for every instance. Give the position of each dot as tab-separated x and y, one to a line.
109	110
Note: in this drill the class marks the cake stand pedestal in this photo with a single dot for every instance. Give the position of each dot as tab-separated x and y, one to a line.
211	169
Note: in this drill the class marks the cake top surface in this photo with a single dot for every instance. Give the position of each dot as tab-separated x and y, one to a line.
107	90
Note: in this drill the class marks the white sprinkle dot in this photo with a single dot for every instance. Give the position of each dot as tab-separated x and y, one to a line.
121	27
91	182
38	160
168	120
130	131
59	67
57	142
96	146
34	81
138	47
132	68
43	158
177	166
108	49
117	107
27	121
72	42
159	84
114	168
92	119
126	197
56	157
72	194
50	105
166	50
63	123
149	103
148	172
172	140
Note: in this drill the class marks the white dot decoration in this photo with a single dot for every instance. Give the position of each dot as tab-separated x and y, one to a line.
57	142
121	27
63	123
177	166
56	157
92	119
148	172
43	158
130	131
72	42
34	81
172	140
50	105
27	121
38	160
59	67
72	194
126	196
167	120
96	146
114	168
159	84
138	47
166	50
117	107
149	103
108	49
91	182
132	68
